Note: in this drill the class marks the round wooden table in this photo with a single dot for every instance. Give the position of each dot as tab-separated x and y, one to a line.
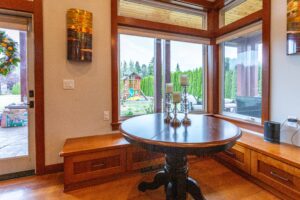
205	136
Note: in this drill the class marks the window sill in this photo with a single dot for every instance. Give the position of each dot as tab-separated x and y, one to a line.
242	123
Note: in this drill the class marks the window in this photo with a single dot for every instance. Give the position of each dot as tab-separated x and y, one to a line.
189	58
147	63
163	13
239	9
136	80
242	77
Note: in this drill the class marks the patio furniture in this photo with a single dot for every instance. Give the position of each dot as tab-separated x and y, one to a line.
250	106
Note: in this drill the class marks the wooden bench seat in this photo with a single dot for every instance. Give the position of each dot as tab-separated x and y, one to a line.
94	159
276	166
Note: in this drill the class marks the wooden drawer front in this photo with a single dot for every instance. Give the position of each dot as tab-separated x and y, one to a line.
94	165
138	158
238	156
279	175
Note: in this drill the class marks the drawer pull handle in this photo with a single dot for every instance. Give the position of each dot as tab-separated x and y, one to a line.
278	176
229	153
96	165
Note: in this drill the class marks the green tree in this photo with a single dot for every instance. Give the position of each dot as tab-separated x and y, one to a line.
138	68
144	70
177	68
151	67
131	67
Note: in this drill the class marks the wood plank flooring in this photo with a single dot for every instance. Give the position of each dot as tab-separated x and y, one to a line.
216	181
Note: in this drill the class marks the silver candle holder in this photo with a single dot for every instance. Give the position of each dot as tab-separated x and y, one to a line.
186	120
168	108
175	122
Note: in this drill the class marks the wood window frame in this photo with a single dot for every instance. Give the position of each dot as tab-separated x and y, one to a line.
36	9
263	15
213	32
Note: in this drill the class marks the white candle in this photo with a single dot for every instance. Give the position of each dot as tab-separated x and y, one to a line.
169	88
184	80
176	97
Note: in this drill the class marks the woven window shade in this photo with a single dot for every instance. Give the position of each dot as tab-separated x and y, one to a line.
13	22
155	12
240	10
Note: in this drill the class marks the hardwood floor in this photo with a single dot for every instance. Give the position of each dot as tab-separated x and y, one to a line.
216	181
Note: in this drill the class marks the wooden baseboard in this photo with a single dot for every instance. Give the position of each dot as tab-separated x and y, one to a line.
253	179
50	169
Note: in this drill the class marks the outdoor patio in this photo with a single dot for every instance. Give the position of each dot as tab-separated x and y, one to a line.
13	142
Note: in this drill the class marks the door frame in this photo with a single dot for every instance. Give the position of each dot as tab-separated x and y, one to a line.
35	7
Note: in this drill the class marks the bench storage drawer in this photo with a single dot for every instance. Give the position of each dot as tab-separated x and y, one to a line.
277	174
90	166
238	156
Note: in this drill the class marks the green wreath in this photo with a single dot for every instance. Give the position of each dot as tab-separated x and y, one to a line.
9	57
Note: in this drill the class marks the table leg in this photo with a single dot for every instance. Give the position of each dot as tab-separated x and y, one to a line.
175	179
160	179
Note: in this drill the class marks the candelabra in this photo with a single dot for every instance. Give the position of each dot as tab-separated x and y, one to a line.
168	108
186	120
175	121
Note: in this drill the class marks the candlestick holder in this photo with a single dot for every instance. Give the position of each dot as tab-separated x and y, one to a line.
186	120
168	108
175	122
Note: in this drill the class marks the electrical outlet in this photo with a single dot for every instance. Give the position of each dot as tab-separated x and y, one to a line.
106	116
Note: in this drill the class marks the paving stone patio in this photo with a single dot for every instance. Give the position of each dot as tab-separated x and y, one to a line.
13	142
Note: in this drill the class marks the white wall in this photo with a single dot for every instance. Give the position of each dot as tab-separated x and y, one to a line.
285	74
78	112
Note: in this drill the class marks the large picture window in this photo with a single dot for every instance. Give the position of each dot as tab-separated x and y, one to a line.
147	63
242	77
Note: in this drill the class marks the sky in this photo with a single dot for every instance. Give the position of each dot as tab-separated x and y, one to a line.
187	55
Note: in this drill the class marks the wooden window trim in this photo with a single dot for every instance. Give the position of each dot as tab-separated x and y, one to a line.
35	7
214	71
213	31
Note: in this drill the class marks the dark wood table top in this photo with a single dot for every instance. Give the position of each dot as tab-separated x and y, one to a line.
204	132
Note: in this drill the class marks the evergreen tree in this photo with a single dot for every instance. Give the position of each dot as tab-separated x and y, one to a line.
177	68
151	67
131	67
144	70
138	67
125	68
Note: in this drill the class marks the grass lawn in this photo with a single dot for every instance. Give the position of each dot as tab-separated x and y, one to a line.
131	108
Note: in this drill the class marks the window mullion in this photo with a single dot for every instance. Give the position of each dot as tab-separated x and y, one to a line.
158	75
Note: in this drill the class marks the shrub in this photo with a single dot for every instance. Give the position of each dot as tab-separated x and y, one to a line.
16	89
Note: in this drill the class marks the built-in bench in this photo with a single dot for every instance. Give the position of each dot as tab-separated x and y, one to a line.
91	160
95	159
274	166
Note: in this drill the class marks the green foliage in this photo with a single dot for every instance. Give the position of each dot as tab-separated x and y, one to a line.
16	90
147	86
9	51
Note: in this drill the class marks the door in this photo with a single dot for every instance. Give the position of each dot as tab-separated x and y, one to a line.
17	134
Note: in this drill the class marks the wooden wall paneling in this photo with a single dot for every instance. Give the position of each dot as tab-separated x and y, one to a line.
138	23
266	69
18	5
114	65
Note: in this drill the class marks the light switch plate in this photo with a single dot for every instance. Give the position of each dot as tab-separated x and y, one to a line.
68	84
